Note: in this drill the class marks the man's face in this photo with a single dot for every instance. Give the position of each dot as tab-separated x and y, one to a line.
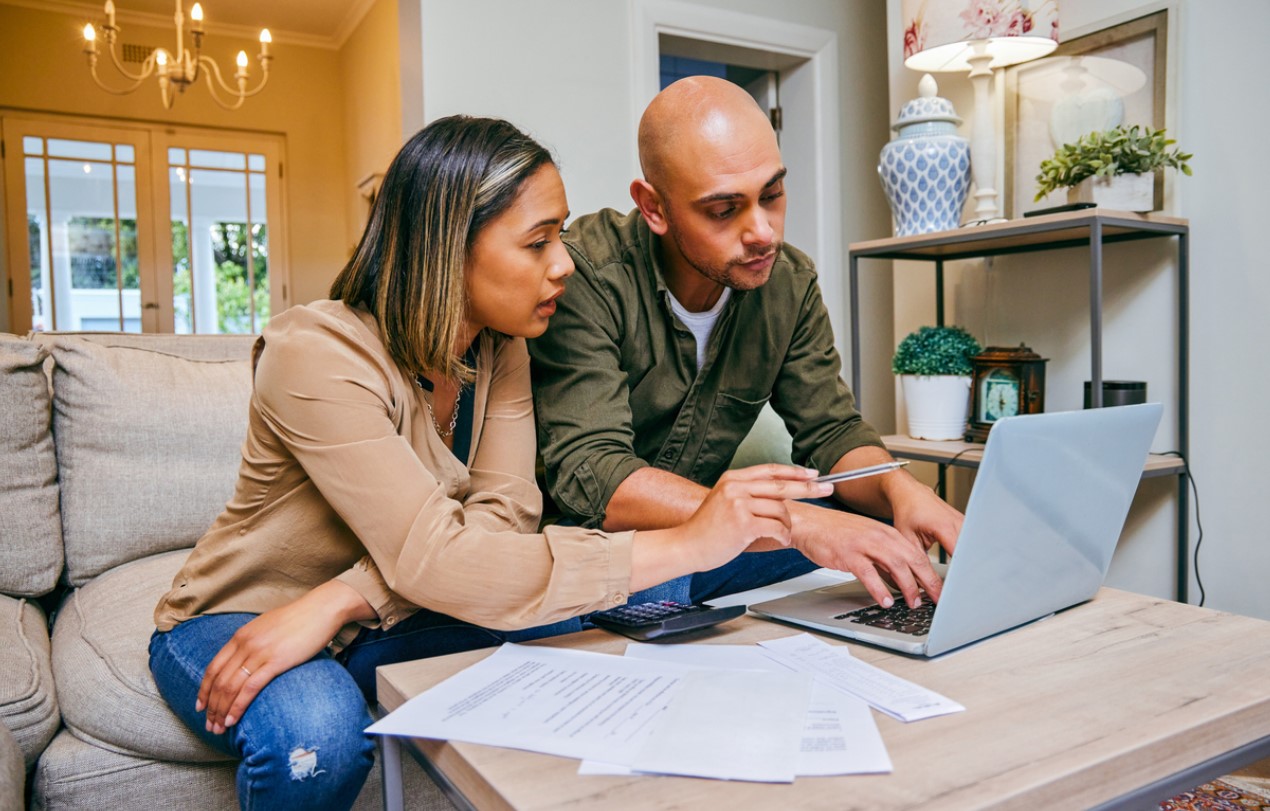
725	212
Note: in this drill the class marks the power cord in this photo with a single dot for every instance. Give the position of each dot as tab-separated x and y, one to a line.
1199	538
939	488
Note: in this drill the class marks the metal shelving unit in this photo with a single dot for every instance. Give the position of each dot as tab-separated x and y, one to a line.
1091	229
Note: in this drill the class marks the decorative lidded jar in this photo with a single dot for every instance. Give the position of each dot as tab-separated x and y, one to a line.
925	171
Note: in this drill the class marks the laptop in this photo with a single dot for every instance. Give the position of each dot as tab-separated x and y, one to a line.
1046	511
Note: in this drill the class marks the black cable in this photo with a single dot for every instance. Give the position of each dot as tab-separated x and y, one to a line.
1199	538
939	488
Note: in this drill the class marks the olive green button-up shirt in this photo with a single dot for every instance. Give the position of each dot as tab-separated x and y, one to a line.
616	383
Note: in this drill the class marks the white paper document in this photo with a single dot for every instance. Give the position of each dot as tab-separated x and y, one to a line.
562	702
730	725
835	666
653	716
804	582
838	734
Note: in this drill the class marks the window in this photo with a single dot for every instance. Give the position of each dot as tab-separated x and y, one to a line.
97	255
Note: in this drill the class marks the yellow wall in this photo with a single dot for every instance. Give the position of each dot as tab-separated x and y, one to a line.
43	69
371	75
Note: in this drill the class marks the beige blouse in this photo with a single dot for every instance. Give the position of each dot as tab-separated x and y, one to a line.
343	476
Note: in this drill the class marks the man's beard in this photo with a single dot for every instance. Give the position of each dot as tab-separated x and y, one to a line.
727	273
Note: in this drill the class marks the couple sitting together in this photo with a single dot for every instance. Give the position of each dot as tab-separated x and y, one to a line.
386	507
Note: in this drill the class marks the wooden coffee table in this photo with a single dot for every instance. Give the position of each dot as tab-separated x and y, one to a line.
1118	703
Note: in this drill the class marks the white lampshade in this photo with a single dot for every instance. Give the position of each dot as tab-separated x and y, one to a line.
938	34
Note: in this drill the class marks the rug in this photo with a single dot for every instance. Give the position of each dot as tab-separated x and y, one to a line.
1227	794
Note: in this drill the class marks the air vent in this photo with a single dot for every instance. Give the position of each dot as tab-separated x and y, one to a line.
136	53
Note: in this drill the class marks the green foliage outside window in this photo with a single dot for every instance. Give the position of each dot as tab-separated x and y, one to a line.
230	244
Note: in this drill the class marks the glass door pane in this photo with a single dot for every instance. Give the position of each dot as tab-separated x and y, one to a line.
81	210
220	241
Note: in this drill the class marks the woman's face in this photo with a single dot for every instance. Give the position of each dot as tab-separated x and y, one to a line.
517	266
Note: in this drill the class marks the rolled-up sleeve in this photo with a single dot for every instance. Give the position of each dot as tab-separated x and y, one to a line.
334	413
582	398
810	395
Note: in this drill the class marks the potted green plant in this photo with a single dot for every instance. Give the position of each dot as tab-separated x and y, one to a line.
934	368
1115	168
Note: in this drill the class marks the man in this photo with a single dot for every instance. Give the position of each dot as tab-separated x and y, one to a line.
683	318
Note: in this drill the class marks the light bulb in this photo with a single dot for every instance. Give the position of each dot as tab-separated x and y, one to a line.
265	36
161	56
196	13
90	33
242	59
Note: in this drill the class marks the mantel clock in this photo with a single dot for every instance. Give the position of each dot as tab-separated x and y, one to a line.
1008	380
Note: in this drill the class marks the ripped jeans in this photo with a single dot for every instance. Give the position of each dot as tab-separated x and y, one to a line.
301	742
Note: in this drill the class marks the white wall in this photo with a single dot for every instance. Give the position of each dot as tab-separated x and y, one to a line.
1214	103
563	70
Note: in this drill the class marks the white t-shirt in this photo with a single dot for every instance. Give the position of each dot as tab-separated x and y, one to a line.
700	324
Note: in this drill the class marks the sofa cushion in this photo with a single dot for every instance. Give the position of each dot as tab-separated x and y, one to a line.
12	771
101	662
148	443
74	774
28	701
30	529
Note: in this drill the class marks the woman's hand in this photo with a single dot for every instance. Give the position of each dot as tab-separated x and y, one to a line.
271	644
743	507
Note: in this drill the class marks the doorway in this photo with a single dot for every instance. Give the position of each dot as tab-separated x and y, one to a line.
761	83
114	226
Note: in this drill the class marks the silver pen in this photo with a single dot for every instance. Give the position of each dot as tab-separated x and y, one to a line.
861	472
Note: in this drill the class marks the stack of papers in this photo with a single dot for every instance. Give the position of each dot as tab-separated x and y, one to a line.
793	707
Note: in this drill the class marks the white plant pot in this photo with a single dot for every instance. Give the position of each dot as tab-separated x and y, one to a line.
937	405
1118	192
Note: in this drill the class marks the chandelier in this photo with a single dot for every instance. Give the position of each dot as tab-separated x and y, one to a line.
180	68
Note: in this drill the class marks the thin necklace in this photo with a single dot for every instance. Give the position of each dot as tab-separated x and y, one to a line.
454	418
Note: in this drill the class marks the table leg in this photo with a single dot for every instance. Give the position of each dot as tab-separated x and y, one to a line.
390	762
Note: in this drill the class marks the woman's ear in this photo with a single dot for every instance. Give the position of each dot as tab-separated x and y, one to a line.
649	203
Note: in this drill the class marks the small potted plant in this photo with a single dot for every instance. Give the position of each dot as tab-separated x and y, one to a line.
1115	168
934	368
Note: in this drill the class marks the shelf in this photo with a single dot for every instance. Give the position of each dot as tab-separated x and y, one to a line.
1091	229
1069	229
968	454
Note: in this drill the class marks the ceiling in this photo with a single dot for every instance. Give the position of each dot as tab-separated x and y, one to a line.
316	23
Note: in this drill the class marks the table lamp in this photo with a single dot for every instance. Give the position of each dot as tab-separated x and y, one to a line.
978	35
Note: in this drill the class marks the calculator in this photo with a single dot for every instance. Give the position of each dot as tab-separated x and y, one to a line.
645	621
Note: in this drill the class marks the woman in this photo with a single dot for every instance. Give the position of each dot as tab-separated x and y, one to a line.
386	501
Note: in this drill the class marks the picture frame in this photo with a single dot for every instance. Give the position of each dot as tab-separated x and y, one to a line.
1039	106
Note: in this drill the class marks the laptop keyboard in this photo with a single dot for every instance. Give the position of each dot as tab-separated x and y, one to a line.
899	617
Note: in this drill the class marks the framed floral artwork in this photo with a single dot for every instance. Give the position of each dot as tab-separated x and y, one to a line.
1095	82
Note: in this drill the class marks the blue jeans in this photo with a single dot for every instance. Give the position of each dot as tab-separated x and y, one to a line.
301	742
749	570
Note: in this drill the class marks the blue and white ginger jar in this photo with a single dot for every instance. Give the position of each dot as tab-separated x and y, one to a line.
925	171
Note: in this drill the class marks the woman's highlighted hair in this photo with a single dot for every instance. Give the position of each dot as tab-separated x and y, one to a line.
445	184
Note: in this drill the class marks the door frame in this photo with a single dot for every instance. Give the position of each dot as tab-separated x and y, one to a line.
806	59
18	271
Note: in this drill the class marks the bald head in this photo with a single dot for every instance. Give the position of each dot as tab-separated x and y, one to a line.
696	124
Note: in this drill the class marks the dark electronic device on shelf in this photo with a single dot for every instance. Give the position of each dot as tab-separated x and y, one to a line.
646	621
1040	212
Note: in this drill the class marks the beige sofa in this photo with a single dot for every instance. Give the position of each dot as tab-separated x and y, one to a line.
118	451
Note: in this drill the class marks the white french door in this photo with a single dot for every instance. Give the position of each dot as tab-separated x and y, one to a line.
136	228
